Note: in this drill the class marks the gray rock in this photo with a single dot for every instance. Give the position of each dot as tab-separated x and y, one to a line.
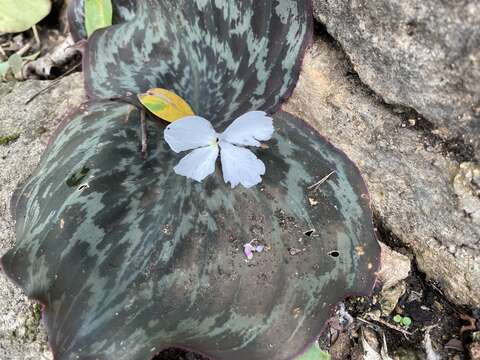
21	336
411	184
424	54
395	267
467	187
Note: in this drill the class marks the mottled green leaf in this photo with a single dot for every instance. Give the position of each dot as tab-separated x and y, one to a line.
137	259
20	15
98	15
224	58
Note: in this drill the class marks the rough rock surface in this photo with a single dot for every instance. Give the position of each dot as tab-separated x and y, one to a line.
21	337
395	267
424	54
410	179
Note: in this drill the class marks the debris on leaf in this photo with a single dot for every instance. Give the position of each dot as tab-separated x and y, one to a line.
294	251
312	201
248	251
317	185
259	248
165	104
239	165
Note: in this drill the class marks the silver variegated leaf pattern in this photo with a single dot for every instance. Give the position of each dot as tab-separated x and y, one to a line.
132	259
224	58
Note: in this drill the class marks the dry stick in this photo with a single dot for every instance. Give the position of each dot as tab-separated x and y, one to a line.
53	83
387	324
35	34
321	181
24	49
143	133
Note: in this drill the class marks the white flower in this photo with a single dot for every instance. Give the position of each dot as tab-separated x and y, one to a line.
239	165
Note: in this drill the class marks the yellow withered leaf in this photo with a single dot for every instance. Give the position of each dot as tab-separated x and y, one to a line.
165	104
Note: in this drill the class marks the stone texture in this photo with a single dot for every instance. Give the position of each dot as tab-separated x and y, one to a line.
395	267
411	183
21	337
424	54
467	187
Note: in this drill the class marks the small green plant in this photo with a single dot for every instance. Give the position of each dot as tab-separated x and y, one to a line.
314	353
7	139
98	15
18	16
402	320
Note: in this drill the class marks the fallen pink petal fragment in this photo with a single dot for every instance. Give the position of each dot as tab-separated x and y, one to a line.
248	251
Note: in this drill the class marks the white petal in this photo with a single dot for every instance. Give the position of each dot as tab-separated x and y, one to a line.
248	129
188	133
240	165
198	164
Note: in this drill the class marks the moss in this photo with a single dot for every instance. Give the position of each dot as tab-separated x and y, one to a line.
7	139
32	323
37	313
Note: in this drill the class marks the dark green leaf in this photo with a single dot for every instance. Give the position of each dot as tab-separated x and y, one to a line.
142	259
224	58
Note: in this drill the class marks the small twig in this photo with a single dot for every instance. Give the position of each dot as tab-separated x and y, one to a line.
367	322
24	49
143	133
321	181
35	34
472	323
387	324
53	83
